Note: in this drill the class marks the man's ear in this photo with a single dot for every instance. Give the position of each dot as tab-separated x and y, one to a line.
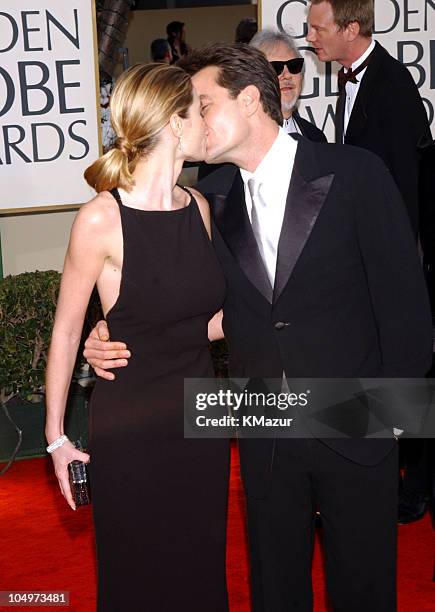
352	31
249	100
176	125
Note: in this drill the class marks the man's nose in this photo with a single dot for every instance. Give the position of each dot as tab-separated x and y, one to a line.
286	74
311	35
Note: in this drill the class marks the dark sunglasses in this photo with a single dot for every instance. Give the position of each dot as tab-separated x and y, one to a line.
294	66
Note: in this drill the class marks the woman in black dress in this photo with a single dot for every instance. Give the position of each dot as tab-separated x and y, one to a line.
159	501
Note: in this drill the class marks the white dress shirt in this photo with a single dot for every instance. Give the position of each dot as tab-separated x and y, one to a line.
273	174
352	88
290	126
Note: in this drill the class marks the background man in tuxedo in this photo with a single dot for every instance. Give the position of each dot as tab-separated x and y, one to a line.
379	107
282	53
323	280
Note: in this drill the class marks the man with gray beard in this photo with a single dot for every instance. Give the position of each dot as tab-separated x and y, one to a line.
286	60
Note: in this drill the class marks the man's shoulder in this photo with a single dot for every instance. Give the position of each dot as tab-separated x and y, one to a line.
337	156
392	73
356	170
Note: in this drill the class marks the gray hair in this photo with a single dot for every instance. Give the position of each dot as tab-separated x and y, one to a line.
269	38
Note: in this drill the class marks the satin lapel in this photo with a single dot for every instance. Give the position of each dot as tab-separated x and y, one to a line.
231	217
304	203
359	114
299	123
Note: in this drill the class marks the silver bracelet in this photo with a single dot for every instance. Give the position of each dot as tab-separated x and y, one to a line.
57	443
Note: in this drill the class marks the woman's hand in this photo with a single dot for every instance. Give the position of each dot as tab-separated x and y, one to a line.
62	456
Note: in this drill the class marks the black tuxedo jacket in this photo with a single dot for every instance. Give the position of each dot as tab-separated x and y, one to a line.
309	130
349	285
389	119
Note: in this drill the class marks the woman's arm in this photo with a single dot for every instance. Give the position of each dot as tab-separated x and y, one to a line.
83	264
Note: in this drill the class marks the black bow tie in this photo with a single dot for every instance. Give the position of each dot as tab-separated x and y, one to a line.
343	78
350	75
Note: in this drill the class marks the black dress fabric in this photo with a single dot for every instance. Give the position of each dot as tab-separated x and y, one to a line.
159	500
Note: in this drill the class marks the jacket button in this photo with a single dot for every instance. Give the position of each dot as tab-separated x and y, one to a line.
281	325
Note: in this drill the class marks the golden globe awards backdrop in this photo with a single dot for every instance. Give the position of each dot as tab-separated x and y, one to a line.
406	28
49	122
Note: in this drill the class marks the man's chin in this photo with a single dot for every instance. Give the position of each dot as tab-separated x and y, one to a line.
195	158
221	156
288	107
212	159
198	156
323	57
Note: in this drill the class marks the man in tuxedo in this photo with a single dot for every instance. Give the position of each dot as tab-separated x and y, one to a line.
379	107
323	280
282	53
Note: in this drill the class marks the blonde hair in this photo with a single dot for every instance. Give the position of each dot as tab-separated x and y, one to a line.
143	100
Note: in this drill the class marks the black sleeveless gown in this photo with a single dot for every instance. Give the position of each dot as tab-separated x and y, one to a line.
159	501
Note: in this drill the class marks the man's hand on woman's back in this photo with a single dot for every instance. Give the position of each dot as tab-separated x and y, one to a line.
102	354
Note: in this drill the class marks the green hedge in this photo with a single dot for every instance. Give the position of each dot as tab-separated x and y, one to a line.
27	310
27	307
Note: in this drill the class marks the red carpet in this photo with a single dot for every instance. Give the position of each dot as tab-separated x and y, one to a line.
45	546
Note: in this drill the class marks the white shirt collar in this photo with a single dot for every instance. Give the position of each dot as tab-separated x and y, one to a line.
290	126
360	60
283	148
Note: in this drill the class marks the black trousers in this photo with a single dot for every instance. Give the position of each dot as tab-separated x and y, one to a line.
358	505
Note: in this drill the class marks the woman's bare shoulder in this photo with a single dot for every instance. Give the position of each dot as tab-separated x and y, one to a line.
99	213
204	208
202	202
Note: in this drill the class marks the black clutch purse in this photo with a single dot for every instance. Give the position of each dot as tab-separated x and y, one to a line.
79	480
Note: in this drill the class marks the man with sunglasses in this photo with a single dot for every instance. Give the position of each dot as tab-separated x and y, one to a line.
282	53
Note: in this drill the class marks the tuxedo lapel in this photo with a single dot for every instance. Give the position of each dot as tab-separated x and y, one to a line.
359	114
305	199
231	217
306	195
296	119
